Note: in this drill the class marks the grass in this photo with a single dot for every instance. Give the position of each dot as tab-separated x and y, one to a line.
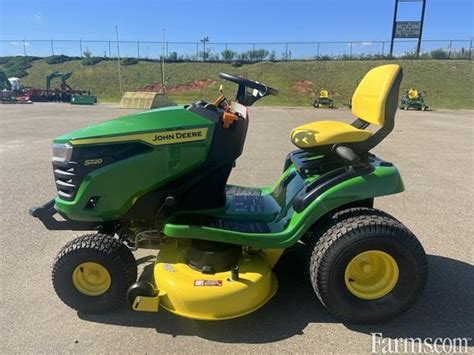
447	83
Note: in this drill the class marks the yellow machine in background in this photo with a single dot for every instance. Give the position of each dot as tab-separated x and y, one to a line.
415	99
323	100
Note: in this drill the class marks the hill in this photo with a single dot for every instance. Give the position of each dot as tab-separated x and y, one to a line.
447	83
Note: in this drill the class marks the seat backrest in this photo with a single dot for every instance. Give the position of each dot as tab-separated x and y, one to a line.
376	97
413	94
323	94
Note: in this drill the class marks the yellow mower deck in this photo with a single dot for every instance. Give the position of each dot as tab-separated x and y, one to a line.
192	294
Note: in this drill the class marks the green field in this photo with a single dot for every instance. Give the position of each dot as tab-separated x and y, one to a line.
447	83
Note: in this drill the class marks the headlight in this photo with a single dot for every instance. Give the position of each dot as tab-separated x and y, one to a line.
62	152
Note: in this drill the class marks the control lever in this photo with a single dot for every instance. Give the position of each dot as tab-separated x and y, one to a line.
347	154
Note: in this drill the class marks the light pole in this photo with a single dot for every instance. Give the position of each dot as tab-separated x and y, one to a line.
203	41
163	81
118	60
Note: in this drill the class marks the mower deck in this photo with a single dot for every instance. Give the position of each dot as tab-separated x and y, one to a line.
188	292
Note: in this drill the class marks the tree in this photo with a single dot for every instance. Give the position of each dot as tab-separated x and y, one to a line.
89	59
439	54
173	56
228	55
272	56
205	55
257	55
244	56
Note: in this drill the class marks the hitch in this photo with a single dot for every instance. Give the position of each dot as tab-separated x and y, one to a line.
46	212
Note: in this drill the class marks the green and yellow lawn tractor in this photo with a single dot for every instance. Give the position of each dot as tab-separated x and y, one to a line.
158	179
324	100
413	99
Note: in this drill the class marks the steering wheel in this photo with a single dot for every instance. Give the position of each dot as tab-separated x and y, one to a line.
242	96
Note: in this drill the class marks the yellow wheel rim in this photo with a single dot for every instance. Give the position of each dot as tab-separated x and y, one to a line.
371	274
91	279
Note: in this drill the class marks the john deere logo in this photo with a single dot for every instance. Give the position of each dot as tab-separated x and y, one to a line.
154	138
180	136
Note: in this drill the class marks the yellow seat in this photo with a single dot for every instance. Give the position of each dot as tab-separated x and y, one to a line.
327	132
413	94
374	102
324	94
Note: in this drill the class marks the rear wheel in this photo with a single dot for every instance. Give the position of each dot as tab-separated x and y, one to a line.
93	272
366	267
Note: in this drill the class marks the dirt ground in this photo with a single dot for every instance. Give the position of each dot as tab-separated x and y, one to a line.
433	150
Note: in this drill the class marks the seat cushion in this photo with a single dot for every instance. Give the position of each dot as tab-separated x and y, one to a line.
321	133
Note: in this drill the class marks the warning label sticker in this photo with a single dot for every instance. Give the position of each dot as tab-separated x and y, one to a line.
208	283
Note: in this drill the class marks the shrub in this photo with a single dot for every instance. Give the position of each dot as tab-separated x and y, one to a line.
439	54
236	64
228	55
17	73
409	55
91	60
325	57
57	59
128	61
17	63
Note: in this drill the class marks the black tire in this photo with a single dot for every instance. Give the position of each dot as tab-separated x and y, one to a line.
349	233
102	249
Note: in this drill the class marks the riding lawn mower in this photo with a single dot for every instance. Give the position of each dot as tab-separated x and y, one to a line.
413	99
158	179
324	100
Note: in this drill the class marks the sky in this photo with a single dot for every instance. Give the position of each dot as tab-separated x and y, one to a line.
227	21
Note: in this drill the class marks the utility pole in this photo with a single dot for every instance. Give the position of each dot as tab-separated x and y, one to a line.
203	41
24	47
118	60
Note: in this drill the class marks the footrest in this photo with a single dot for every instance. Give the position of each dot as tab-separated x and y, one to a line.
242	191
221	223
239	226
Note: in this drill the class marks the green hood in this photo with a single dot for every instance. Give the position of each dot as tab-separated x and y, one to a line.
162	119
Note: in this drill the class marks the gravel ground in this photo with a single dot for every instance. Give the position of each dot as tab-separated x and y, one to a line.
434	151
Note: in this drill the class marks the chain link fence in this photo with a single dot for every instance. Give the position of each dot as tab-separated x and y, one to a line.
231	51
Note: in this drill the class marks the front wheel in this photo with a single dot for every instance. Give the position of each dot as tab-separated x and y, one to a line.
366	266
93	272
